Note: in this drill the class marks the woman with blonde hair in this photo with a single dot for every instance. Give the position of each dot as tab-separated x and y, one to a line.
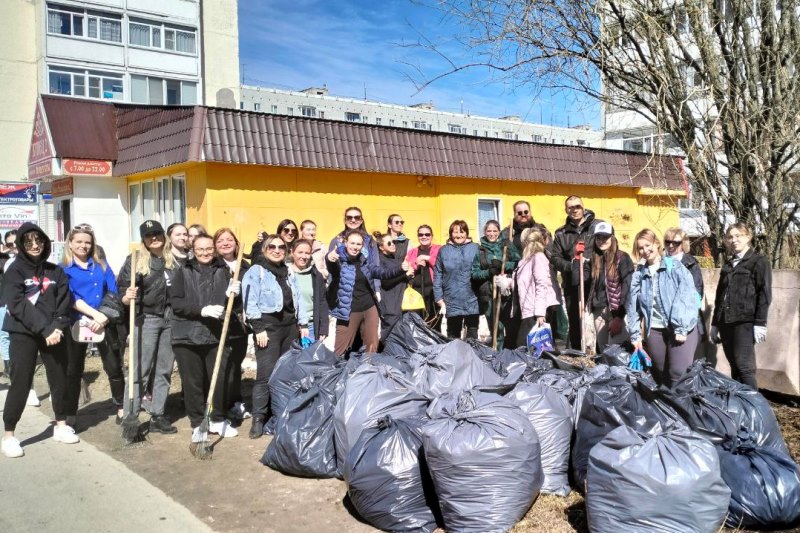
537	295
661	312
153	270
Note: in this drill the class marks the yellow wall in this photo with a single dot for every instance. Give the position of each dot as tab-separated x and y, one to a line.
252	198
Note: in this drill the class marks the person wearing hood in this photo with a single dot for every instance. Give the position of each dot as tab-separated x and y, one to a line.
351	295
154	267
391	304
452	284
394	228
313	312
271	304
308	231
570	240
523	219
39	302
198	294
486	265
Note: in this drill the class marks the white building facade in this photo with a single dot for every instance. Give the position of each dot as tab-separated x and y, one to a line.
317	103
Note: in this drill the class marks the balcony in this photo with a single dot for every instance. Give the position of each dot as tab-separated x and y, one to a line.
85	50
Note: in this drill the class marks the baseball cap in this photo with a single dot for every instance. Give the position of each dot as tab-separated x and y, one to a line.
150	227
603	228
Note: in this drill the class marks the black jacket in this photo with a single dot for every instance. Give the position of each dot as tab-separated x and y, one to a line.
321	310
392	289
237	327
153	298
516	238
744	292
625	270
195	286
562	250
36	291
694	269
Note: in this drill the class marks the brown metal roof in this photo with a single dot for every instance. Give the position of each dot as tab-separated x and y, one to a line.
140	138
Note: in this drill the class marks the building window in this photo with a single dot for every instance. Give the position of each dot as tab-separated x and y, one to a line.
508	135
419	125
91	83
162	199
488	209
159	91
256	107
391	122
63	20
273	109
378	121
364	119
456	128
581	142
405	123
241	105
290	111
165	37
475	133
537	138
308	111
352	117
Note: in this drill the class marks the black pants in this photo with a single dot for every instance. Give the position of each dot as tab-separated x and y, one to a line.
280	340
76	361
24	349
573	301
739	345
196	366
456	323
233	371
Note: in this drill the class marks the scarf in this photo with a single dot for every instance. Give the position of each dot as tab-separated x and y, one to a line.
613	288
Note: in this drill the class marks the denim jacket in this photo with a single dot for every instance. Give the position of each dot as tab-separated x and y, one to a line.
262	294
676	294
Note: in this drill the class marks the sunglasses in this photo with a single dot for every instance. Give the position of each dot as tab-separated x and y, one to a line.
672	243
281	247
391	243
31	242
290	231
424	234
523	212
83	228
354	218
401	222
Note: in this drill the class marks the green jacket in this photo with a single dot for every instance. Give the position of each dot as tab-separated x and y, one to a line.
481	278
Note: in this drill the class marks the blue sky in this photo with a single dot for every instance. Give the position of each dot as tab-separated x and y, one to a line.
355	46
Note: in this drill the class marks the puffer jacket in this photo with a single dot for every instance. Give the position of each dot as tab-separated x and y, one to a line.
676	294
195	286
262	293
562	250
369	251
452	278
744	292
536	286
343	277
481	278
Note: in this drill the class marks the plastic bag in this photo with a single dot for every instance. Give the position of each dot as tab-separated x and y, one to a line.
409	334
303	444
485	462
765	487
703	375
613	355
540	338
412	300
668	481
551	416
388	480
452	367
373	391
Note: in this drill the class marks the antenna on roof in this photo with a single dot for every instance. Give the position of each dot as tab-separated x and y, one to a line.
365	91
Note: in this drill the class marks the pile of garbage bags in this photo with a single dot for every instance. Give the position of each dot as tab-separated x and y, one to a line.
437	433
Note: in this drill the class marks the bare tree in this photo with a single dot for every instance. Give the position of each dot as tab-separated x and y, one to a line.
716	76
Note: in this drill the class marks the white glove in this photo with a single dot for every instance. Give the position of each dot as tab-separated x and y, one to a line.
503	284
713	335
234	287
212	311
760	333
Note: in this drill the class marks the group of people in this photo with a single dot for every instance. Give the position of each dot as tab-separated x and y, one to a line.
290	285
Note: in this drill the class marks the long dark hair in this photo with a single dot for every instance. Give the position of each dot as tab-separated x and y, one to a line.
362	229
609	259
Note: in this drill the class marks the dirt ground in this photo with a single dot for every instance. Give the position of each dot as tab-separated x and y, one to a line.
234	492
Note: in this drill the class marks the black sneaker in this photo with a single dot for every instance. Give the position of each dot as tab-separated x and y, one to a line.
160	424
257	427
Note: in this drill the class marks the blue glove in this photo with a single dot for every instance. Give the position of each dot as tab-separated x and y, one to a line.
305	342
640	360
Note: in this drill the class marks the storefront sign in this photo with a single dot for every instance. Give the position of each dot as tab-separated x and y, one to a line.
17	193
86	167
62	187
40	157
13	216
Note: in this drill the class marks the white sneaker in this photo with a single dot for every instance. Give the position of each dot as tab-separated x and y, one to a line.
65	434
223	429
198	435
11	447
33	399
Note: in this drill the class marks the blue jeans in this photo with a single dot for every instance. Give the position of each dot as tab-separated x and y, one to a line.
153	350
5	341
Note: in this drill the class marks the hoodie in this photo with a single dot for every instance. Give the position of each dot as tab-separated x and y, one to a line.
36	291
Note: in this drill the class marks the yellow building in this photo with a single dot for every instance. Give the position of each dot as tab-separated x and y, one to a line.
222	167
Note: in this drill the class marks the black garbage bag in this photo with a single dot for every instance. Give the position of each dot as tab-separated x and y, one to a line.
292	367
561	381
388	480
608	403
764	483
551	417
373	391
702	375
613	355
485	461
409	334
664	481
451	367
303	444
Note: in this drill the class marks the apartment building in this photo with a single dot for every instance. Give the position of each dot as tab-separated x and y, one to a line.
316	102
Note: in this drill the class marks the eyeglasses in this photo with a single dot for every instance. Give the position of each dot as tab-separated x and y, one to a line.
290	231
354	218
281	247
523	212
574	207
391	243
204	251
401	222
672	243
424	234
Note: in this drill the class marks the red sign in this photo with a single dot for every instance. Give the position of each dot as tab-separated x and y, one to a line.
40	157
62	187
86	167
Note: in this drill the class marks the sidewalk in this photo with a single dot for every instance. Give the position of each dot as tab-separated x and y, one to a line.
58	487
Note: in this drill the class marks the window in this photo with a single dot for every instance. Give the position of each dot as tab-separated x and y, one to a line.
391	122
241	105
581	142
308	111
73	82
256	107
352	117
175	38
64	20
290	111
273	109
378	121
419	125
162	199
405	124
475	133
508	135
537	138
487	210
364	119
158	91
456	128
